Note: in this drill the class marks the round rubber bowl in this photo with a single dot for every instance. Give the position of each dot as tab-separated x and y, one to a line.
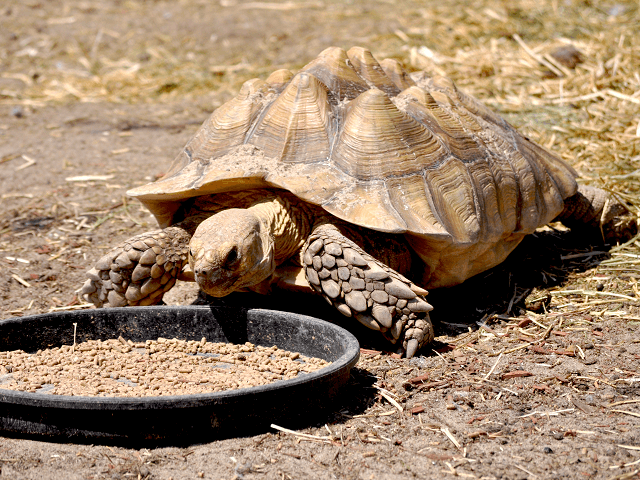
183	419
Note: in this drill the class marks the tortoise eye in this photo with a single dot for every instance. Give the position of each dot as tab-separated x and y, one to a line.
232	256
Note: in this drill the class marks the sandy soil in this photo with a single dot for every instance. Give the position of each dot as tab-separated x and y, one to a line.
116	88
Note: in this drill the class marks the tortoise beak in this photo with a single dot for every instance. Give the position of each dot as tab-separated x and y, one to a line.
214	281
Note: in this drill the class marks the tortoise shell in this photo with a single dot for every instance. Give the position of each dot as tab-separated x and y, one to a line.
380	148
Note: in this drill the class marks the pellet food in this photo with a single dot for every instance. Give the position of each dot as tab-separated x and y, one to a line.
122	368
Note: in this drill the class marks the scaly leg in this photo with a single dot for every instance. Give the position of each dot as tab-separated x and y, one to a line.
140	271
596	208
359	285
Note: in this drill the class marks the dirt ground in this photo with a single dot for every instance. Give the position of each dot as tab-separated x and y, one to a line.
535	369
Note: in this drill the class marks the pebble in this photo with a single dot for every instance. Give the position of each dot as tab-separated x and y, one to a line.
156	271
140	272
380	296
367	321
376	274
357	283
148	258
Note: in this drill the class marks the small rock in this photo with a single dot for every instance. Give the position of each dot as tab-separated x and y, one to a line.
568	55
420	362
589	399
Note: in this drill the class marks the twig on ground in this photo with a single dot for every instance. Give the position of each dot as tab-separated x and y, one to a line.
593	379
486	377
386	394
537	57
301	435
450	436
20	280
592	293
633	414
525	470
29	161
89	178
625	465
622	402
75	329
544	414
628	447
81	306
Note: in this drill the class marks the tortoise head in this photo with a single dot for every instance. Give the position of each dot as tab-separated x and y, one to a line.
230	251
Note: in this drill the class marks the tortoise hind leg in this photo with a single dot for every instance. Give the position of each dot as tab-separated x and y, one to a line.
139	271
358	285
596	208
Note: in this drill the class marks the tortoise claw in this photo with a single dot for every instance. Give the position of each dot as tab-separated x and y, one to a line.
412	347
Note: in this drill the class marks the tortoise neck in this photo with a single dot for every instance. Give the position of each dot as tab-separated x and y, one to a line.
288	220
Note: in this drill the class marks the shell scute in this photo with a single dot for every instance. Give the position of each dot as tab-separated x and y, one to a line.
445	85
410	197
366	203
370	71
444	122
378	140
224	129
279	79
295	128
332	67
393	69
453	196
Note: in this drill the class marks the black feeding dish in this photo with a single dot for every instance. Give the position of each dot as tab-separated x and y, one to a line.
185	419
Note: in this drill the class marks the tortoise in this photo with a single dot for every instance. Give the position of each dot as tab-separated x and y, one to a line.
353	179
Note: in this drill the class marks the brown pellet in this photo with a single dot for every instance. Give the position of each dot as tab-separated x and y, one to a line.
119	367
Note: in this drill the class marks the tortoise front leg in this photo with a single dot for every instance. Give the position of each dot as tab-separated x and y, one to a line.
593	207
139	271
358	285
